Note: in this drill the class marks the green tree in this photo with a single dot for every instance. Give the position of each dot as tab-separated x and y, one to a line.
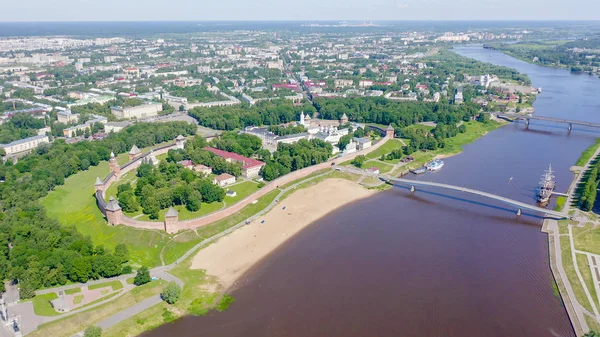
171	293
359	161
142	276
93	331
122	253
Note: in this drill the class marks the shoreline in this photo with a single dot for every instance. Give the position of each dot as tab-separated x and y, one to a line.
232	256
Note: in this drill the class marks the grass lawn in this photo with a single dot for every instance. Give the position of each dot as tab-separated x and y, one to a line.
68	326
179	245
570	270
115	285
130	280
78	299
587	238
588	153
586	273
42	306
74	204
383	168
243	190
314	174
194	300
125	178
386	148
72	291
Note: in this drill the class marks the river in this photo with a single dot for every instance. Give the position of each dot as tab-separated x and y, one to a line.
432	264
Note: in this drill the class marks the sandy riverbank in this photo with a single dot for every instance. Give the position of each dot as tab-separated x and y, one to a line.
234	254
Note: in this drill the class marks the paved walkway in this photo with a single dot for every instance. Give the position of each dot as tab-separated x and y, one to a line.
577	311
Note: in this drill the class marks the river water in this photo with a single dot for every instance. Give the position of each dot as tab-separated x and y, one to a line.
434	264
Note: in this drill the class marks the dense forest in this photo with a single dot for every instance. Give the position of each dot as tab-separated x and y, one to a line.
292	157
37	251
167	185
263	113
400	114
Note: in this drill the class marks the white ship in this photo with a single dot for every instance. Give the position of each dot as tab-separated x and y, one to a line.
435	165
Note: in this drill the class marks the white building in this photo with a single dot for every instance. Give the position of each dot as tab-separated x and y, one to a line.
141	111
224	179
24	145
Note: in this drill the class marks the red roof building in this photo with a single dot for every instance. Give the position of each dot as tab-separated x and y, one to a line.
250	167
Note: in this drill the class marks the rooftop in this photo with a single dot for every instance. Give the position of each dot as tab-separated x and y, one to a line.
246	162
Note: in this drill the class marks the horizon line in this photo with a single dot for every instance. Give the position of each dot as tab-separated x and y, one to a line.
307	20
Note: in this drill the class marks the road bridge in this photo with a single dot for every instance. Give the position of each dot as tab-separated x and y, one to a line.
521	205
527	118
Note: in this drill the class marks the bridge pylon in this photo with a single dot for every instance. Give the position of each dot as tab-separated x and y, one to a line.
570	126
412	189
519	212
527	123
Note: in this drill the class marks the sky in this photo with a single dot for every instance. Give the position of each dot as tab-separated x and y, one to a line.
276	10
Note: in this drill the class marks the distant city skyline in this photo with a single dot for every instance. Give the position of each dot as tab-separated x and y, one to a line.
273	10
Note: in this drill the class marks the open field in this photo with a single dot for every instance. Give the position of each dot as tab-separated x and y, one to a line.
42	306
386	148
383	167
68	326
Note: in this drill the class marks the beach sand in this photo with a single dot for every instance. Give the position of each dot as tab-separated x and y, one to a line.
233	255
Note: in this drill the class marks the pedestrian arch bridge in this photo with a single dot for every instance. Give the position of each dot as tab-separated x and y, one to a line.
520	205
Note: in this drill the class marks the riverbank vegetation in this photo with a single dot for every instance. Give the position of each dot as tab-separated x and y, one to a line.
588	153
578	55
450	63
589	187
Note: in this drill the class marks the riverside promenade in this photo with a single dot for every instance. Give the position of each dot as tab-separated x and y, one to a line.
577	312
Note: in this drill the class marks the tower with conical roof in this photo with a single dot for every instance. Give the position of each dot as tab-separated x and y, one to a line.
390	132
114	166
134	152
113	212
99	185
172	221
344	119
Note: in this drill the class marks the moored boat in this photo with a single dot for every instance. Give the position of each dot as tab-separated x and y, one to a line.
546	187
419	170
435	165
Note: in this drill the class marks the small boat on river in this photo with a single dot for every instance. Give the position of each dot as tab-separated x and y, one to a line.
435	165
